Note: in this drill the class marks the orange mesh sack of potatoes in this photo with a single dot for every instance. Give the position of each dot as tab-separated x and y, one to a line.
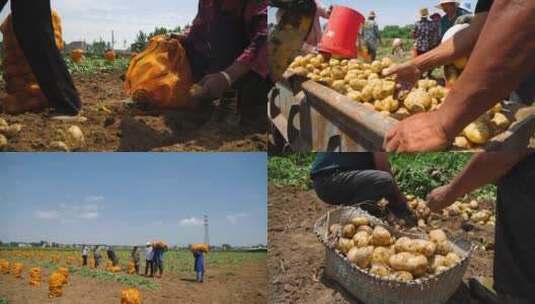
159	244
199	247
130	296
55	284
65	272
131	268
4	266
16	270
77	55
23	92
35	277
160	76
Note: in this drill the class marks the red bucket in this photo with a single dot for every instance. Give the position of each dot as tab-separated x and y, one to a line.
340	37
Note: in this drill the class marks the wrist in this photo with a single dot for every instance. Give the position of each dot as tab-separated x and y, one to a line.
227	77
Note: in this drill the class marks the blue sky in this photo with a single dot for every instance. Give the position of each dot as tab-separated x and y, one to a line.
130	198
389	12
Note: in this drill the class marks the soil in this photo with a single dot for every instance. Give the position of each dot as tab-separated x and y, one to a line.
245	283
111	126
296	258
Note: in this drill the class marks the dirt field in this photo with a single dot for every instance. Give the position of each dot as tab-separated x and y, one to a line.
296	257
120	129
245	283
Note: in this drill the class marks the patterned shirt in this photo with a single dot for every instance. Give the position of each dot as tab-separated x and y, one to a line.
255	20
425	32
370	33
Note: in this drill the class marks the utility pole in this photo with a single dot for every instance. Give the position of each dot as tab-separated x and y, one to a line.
112	40
206	238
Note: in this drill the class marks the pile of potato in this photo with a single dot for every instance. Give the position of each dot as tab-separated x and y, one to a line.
375	250
470	211
7	131
366	83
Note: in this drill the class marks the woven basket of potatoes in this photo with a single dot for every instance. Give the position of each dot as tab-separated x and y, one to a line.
378	264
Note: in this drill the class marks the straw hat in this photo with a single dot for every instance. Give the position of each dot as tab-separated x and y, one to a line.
439	5
424	12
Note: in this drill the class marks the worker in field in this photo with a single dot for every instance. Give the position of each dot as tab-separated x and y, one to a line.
112	256
314	37
149	254
97	255
426	34
135	258
32	24
198	265
85	252
514	173
500	45
157	261
371	35
352	178
227	49
452	11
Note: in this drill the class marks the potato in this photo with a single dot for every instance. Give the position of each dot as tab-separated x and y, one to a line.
440	269
462	142
473	204
437	261
358	84
344	245
361	239
354	95
417	101
334	62
367	93
426	84
301	71
400	261
426	248
381	255
418	265
380	270
75	137
348	231
443	247
480	216
386	62
3	124
401	113
365	228
335	229
437	92
402	276
500	121
477	132
338	85
337	73
437	235
360	256
360	220
402	244
381	236
376	66
12	130
451	259
3	142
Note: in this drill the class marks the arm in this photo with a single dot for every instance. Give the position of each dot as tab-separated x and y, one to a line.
502	57
381	163
378	33
482	169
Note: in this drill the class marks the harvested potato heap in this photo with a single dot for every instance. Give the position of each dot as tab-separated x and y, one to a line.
131	268
16	270
23	92
130	296
470	211
365	83
375	250
4	266
55	284
35	277
7	131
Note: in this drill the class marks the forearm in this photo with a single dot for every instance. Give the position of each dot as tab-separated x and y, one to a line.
381	163
502	58
459	46
485	168
237	70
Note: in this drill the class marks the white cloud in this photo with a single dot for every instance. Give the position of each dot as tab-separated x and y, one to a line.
94	198
192	221
88	215
47	215
233	218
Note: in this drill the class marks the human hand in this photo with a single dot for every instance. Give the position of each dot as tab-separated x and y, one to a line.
421	132
213	86
407	74
440	198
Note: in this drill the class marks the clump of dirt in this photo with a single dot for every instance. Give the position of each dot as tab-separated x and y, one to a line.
296	258
112	126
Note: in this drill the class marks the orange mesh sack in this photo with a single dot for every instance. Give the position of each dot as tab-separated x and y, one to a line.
55	284
65	272
160	75
200	247
130	296
35	277
16	270
4	266
23	92
131	268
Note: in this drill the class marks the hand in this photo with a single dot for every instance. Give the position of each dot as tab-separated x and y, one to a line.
214	85
440	198
421	132
407	74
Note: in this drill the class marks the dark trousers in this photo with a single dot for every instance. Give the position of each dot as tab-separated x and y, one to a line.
84	257
253	90
372	51
149	265
514	269
354	186
157	265
136	266
32	23
97	262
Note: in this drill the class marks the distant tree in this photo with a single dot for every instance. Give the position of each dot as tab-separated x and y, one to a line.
159	31
98	47
226	247
394	31
140	43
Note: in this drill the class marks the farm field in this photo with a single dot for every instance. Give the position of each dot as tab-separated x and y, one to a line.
232	277
296	258
112	126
